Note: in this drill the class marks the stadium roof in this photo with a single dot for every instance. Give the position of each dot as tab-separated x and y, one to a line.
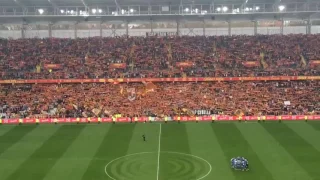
58	3
54	11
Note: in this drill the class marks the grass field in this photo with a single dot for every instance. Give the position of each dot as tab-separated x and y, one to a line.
186	151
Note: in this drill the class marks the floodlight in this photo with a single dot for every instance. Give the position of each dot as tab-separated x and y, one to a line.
93	11
257	8
204	12
100	10
225	8
62	11
131	10
281	7
247	9
250	9
68	12
187	9
40	11
218	9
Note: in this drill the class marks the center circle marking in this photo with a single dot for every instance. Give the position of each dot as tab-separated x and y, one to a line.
162	152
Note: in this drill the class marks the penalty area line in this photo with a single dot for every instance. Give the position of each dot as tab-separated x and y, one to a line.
158	165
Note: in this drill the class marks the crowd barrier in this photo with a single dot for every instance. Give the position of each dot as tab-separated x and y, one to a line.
153	119
186	79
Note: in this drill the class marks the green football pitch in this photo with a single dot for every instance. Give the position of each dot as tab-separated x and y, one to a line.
185	151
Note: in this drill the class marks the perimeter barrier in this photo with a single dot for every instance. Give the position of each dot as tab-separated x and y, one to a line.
164	119
185	79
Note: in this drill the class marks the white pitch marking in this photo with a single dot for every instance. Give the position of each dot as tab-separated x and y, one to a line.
158	165
170	152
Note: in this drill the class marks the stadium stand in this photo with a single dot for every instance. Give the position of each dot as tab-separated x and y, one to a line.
136	57
161	99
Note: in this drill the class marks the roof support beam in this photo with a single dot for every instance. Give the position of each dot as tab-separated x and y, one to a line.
276	3
53	4
19	3
244	4
307	5
25	9
212	7
85	4
118	6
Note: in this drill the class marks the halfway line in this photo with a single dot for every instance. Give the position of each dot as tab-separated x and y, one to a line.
158	166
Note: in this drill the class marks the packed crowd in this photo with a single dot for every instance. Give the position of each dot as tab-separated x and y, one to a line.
160	99
158	57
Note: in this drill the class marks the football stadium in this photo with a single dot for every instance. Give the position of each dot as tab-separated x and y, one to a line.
159	89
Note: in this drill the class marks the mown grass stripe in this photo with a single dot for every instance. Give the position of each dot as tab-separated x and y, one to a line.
42	160
315	124
234	144
204	143
307	132
303	152
13	135
152	136
5	129
114	144
174	138
140	166
77	157
14	156
275	158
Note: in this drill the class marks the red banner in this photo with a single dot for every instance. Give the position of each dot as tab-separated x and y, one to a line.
187	79
29	121
184	64
124	119
52	66
105	120
251	63
118	65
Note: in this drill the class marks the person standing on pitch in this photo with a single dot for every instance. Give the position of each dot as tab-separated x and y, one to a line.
144	137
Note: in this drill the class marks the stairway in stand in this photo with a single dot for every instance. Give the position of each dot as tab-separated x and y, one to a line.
262	61
169	53
132	49
303	61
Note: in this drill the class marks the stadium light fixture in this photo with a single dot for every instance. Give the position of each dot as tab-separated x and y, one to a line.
281	7
218	9
62	11
93	11
186	9
235	11
131	10
40	11
100	10
204	12
225	9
